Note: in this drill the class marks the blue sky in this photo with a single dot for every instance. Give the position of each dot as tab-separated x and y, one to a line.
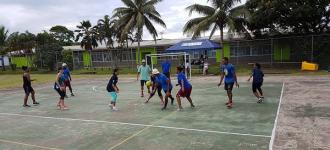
39	15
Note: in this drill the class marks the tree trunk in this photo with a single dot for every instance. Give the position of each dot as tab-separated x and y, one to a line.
221	42
91	60
139	55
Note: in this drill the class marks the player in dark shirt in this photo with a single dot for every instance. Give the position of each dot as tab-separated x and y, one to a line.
27	87
258	79
113	89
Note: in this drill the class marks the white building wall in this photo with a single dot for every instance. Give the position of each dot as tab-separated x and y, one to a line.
6	61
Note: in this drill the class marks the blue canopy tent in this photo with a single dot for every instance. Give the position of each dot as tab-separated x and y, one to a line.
194	45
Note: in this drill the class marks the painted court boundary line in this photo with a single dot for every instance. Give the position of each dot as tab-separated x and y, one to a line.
25	144
141	125
272	139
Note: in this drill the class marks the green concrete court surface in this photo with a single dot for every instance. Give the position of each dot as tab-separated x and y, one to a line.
91	125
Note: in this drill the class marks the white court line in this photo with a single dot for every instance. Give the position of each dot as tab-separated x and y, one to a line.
135	124
25	144
272	139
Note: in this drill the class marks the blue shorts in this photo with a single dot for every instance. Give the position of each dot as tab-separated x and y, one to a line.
113	96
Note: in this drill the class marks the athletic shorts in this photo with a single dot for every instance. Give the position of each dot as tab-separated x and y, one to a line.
59	91
168	75
229	86
113	96
256	86
169	91
186	93
67	83
28	89
143	82
159	90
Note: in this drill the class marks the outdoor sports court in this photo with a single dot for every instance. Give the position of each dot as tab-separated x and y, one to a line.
90	124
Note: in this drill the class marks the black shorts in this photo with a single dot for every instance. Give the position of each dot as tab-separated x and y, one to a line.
168	75
28	89
159	91
143	82
59	91
167	91
256	86
229	86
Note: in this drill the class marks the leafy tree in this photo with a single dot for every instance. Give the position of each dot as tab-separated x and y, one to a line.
48	51
219	15
63	35
281	16
88	36
22	42
106	30
136	15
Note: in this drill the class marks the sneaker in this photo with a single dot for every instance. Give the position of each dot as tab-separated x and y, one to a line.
72	94
26	105
260	100
179	109
193	106
230	105
64	108
36	103
114	109
163	108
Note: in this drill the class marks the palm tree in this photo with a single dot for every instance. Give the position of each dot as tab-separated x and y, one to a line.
3	50
136	15
219	15
106	31
88	35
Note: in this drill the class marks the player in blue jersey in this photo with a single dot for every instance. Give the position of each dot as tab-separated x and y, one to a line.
228	74
185	90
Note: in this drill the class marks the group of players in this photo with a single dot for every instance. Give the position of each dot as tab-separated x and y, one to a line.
162	81
155	81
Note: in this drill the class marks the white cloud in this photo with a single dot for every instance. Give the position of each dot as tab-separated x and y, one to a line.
38	15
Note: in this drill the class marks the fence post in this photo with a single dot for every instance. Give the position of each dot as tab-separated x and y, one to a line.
271	51
312	55
72	55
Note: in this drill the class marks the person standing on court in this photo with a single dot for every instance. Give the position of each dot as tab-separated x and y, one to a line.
228	73
68	79
144	74
27	87
165	84
59	86
185	88
113	89
258	79
166	67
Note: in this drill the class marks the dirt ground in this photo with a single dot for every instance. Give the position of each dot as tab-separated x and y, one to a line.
304	118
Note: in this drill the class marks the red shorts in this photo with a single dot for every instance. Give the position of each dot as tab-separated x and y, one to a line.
186	92
67	83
